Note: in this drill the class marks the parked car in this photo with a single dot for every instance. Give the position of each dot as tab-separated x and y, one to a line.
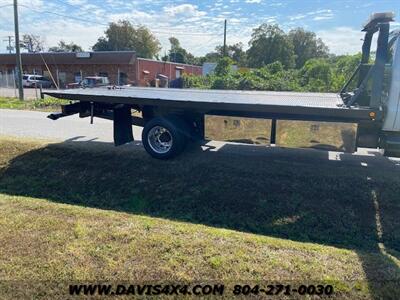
90	81
36	80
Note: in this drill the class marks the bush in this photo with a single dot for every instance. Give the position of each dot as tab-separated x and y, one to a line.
224	67
317	75
228	82
197	82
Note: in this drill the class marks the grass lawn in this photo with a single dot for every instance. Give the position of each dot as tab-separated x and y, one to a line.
88	212
46	104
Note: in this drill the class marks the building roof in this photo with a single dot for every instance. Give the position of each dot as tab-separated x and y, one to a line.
167	62
72	58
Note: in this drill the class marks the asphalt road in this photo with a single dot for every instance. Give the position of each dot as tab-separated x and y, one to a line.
31	124
37	125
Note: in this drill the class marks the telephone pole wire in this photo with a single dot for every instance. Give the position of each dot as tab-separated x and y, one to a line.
18	53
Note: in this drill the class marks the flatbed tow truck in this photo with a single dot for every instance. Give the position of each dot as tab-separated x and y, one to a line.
172	117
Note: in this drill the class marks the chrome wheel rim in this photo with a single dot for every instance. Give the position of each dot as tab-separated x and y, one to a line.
160	139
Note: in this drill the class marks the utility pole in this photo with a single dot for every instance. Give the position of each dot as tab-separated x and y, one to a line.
224	38
18	53
9	40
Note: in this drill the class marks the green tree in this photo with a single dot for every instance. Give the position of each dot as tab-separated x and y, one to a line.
235	52
32	43
223	66
274	67
317	75
269	44
344	68
211	57
223	78
123	36
64	47
180	55
306	46
175	44
346	64
176	53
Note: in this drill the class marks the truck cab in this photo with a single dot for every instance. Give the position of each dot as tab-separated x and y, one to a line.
391	101
378	86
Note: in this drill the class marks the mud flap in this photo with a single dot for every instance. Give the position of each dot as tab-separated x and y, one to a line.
368	135
122	125
390	142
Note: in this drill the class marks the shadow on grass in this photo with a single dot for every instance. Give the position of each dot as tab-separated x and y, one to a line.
340	200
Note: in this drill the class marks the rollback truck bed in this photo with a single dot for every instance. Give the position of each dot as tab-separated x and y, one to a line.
172	117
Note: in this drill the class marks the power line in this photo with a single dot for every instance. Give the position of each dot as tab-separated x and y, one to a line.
137	24
66	3
169	32
62	15
106	24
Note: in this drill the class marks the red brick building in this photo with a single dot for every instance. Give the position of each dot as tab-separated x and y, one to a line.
121	67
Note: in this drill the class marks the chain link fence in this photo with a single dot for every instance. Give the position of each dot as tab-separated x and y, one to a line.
9	88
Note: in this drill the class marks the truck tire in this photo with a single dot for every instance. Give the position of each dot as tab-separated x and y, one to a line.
164	137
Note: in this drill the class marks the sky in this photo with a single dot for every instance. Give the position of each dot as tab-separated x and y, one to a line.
197	24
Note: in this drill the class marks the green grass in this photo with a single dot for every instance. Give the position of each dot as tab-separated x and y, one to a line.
91	212
46	104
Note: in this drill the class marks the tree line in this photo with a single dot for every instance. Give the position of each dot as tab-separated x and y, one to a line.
268	44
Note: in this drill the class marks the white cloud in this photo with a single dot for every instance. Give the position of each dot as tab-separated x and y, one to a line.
320	11
197	31
270	19
199	28
137	16
343	40
324	17
277	4
317	15
84	35
297	17
33	3
76	2
184	10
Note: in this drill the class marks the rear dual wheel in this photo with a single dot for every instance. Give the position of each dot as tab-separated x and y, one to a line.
165	137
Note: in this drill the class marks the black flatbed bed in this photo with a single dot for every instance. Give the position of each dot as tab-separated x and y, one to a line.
290	105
